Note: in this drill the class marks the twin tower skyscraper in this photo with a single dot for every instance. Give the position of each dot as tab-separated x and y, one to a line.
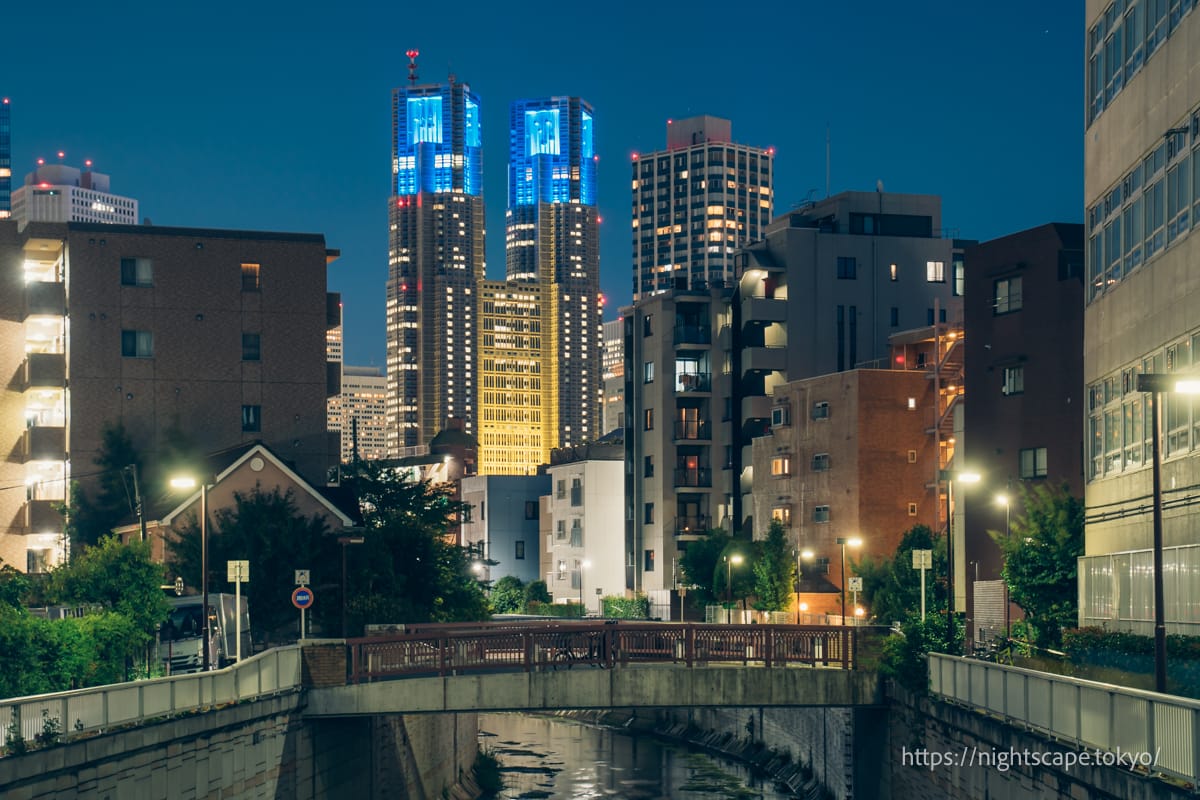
517	361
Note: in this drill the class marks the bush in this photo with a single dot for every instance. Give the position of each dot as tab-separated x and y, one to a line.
566	610
618	607
1084	644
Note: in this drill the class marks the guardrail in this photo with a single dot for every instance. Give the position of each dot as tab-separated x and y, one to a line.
434	650
97	709
1085	713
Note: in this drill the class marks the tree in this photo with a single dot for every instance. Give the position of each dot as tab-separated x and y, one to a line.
536	592
699	564
892	588
774	570
508	595
1040	559
266	529
121	578
89	519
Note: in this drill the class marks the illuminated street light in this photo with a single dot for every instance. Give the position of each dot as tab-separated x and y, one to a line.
736	558
853	541
188	482
950	477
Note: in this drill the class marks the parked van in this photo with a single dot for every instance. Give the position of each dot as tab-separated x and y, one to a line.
181	639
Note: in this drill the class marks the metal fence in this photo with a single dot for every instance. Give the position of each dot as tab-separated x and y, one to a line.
101	708
1085	713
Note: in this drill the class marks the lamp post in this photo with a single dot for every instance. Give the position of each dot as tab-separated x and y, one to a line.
1154	385
853	541
950	477
185	482
801	557
585	564
1006	501
345	541
730	560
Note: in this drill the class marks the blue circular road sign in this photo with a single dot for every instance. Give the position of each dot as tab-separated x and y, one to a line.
302	597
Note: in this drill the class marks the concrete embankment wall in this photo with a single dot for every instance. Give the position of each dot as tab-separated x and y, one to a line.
260	749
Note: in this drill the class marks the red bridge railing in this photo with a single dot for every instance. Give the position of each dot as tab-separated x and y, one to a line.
528	646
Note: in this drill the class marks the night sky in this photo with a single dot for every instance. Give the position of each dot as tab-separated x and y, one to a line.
276	117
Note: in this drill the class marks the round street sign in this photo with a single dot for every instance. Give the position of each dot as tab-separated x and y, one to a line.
302	597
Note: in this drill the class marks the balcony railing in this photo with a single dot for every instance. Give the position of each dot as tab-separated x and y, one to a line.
692	429
693	525
693	334
43	443
45	299
43	515
45	370
701	476
694	382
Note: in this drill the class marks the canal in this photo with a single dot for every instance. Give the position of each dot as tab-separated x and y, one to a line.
552	757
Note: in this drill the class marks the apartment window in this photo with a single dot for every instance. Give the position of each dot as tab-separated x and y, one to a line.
251	418
560	530
779	416
648	561
820	513
1006	295
1014	380
648	325
648	467
251	280
482	510
895	317
648	517
520	550
648	372
820	462
37	561
136	272
781	466
912	456
847	268
935	271
912	509
1033	462
251	346
894	272
531	509
960	279
577	532
648	422
137	344
560	490
820	410
576	492
820	566
782	514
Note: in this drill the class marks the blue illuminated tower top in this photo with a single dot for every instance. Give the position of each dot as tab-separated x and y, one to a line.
436	139
552	158
5	160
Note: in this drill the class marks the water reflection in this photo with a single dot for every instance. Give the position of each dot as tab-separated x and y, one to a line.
550	757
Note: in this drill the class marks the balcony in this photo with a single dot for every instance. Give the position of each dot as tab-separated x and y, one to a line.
45	299
694	382
44	443
693	525
724	337
764	359
693	334
42	516
762	309
701	477
692	429
45	371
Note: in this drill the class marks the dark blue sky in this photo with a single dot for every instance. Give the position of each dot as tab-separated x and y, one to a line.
275	116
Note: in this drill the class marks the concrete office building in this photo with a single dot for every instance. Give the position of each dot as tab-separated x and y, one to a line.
359	414
583	549
696	202
502	524
1141	192
435	260
58	193
5	158
614	376
220	334
1023	308
825	290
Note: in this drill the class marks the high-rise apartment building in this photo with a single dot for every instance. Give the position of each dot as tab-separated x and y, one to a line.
540	343
218	335
1142	194
695	203
5	158
58	193
359	414
435	260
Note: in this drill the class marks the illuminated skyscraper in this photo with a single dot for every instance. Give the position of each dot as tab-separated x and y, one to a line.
59	193
540	348
5	158
435	259
695	203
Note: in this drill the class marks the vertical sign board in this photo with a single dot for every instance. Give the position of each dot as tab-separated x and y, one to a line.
922	560
302	598
237	573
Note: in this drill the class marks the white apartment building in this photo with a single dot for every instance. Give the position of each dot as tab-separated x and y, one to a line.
58	193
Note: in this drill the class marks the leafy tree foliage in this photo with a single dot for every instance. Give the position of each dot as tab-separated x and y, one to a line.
774	570
508	595
89	519
266	529
1040	560
739	577
904	653
536	592
699	564
892	588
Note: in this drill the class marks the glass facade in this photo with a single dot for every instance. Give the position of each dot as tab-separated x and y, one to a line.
438	140
552	158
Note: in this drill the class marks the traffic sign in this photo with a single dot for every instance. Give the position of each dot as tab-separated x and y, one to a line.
922	559
238	571
302	598
301	577
178	586
856	584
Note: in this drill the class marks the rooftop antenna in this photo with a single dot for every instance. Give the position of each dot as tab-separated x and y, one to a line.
412	65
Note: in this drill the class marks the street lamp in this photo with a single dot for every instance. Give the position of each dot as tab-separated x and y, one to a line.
344	541
187	482
950	477
1004	500
736	558
801	557
853	541
585	564
1154	385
